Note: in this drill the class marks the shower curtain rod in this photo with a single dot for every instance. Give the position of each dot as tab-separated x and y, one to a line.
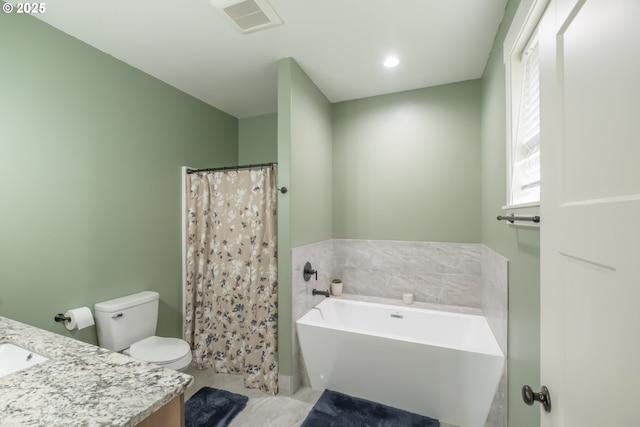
231	168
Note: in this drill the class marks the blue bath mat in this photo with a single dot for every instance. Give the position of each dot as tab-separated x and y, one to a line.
211	407
335	409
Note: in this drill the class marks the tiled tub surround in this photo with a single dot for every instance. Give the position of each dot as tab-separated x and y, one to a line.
443	273
454	276
495	302
495	293
81	384
321	257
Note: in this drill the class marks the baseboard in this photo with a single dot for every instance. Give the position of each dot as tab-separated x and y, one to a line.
288	384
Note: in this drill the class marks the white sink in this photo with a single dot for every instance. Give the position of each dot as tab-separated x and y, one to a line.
14	358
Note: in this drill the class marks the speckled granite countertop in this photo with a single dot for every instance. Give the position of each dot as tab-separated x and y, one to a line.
80	384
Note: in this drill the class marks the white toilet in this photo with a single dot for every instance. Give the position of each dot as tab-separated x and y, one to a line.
129	323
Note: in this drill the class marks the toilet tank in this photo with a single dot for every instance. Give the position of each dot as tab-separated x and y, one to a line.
123	321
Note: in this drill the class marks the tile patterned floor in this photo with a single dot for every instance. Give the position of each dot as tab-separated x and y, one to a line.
262	410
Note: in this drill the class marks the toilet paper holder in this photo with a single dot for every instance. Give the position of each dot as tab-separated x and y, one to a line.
77	318
60	317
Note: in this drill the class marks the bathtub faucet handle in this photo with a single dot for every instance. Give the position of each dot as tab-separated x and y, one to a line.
308	272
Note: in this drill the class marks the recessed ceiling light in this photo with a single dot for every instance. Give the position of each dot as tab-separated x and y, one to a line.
391	61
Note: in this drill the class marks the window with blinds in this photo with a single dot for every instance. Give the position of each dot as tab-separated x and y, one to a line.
525	149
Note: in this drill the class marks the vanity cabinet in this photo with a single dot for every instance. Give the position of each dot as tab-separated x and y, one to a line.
170	415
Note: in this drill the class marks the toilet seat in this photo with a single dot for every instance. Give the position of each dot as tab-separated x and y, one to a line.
171	353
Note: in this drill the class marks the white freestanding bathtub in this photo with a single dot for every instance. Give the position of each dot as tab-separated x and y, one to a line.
436	363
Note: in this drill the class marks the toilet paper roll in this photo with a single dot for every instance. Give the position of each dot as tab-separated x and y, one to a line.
79	318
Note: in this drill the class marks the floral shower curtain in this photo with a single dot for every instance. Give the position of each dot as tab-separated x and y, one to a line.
231	290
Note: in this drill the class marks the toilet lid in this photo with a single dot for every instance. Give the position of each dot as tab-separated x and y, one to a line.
159	350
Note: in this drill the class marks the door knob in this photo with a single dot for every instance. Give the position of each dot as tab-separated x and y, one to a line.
543	397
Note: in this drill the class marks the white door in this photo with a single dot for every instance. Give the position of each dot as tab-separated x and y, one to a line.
590	209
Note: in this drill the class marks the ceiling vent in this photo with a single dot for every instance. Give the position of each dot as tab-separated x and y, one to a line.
248	15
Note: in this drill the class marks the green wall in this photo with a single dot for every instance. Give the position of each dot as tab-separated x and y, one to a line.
285	312
406	166
90	176
304	167
521	245
311	170
258	139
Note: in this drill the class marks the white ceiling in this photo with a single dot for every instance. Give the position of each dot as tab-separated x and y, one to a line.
340	44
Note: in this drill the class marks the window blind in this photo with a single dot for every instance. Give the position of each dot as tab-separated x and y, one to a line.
525	185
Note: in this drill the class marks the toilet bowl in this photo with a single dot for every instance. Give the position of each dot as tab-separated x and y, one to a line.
128	324
172	353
